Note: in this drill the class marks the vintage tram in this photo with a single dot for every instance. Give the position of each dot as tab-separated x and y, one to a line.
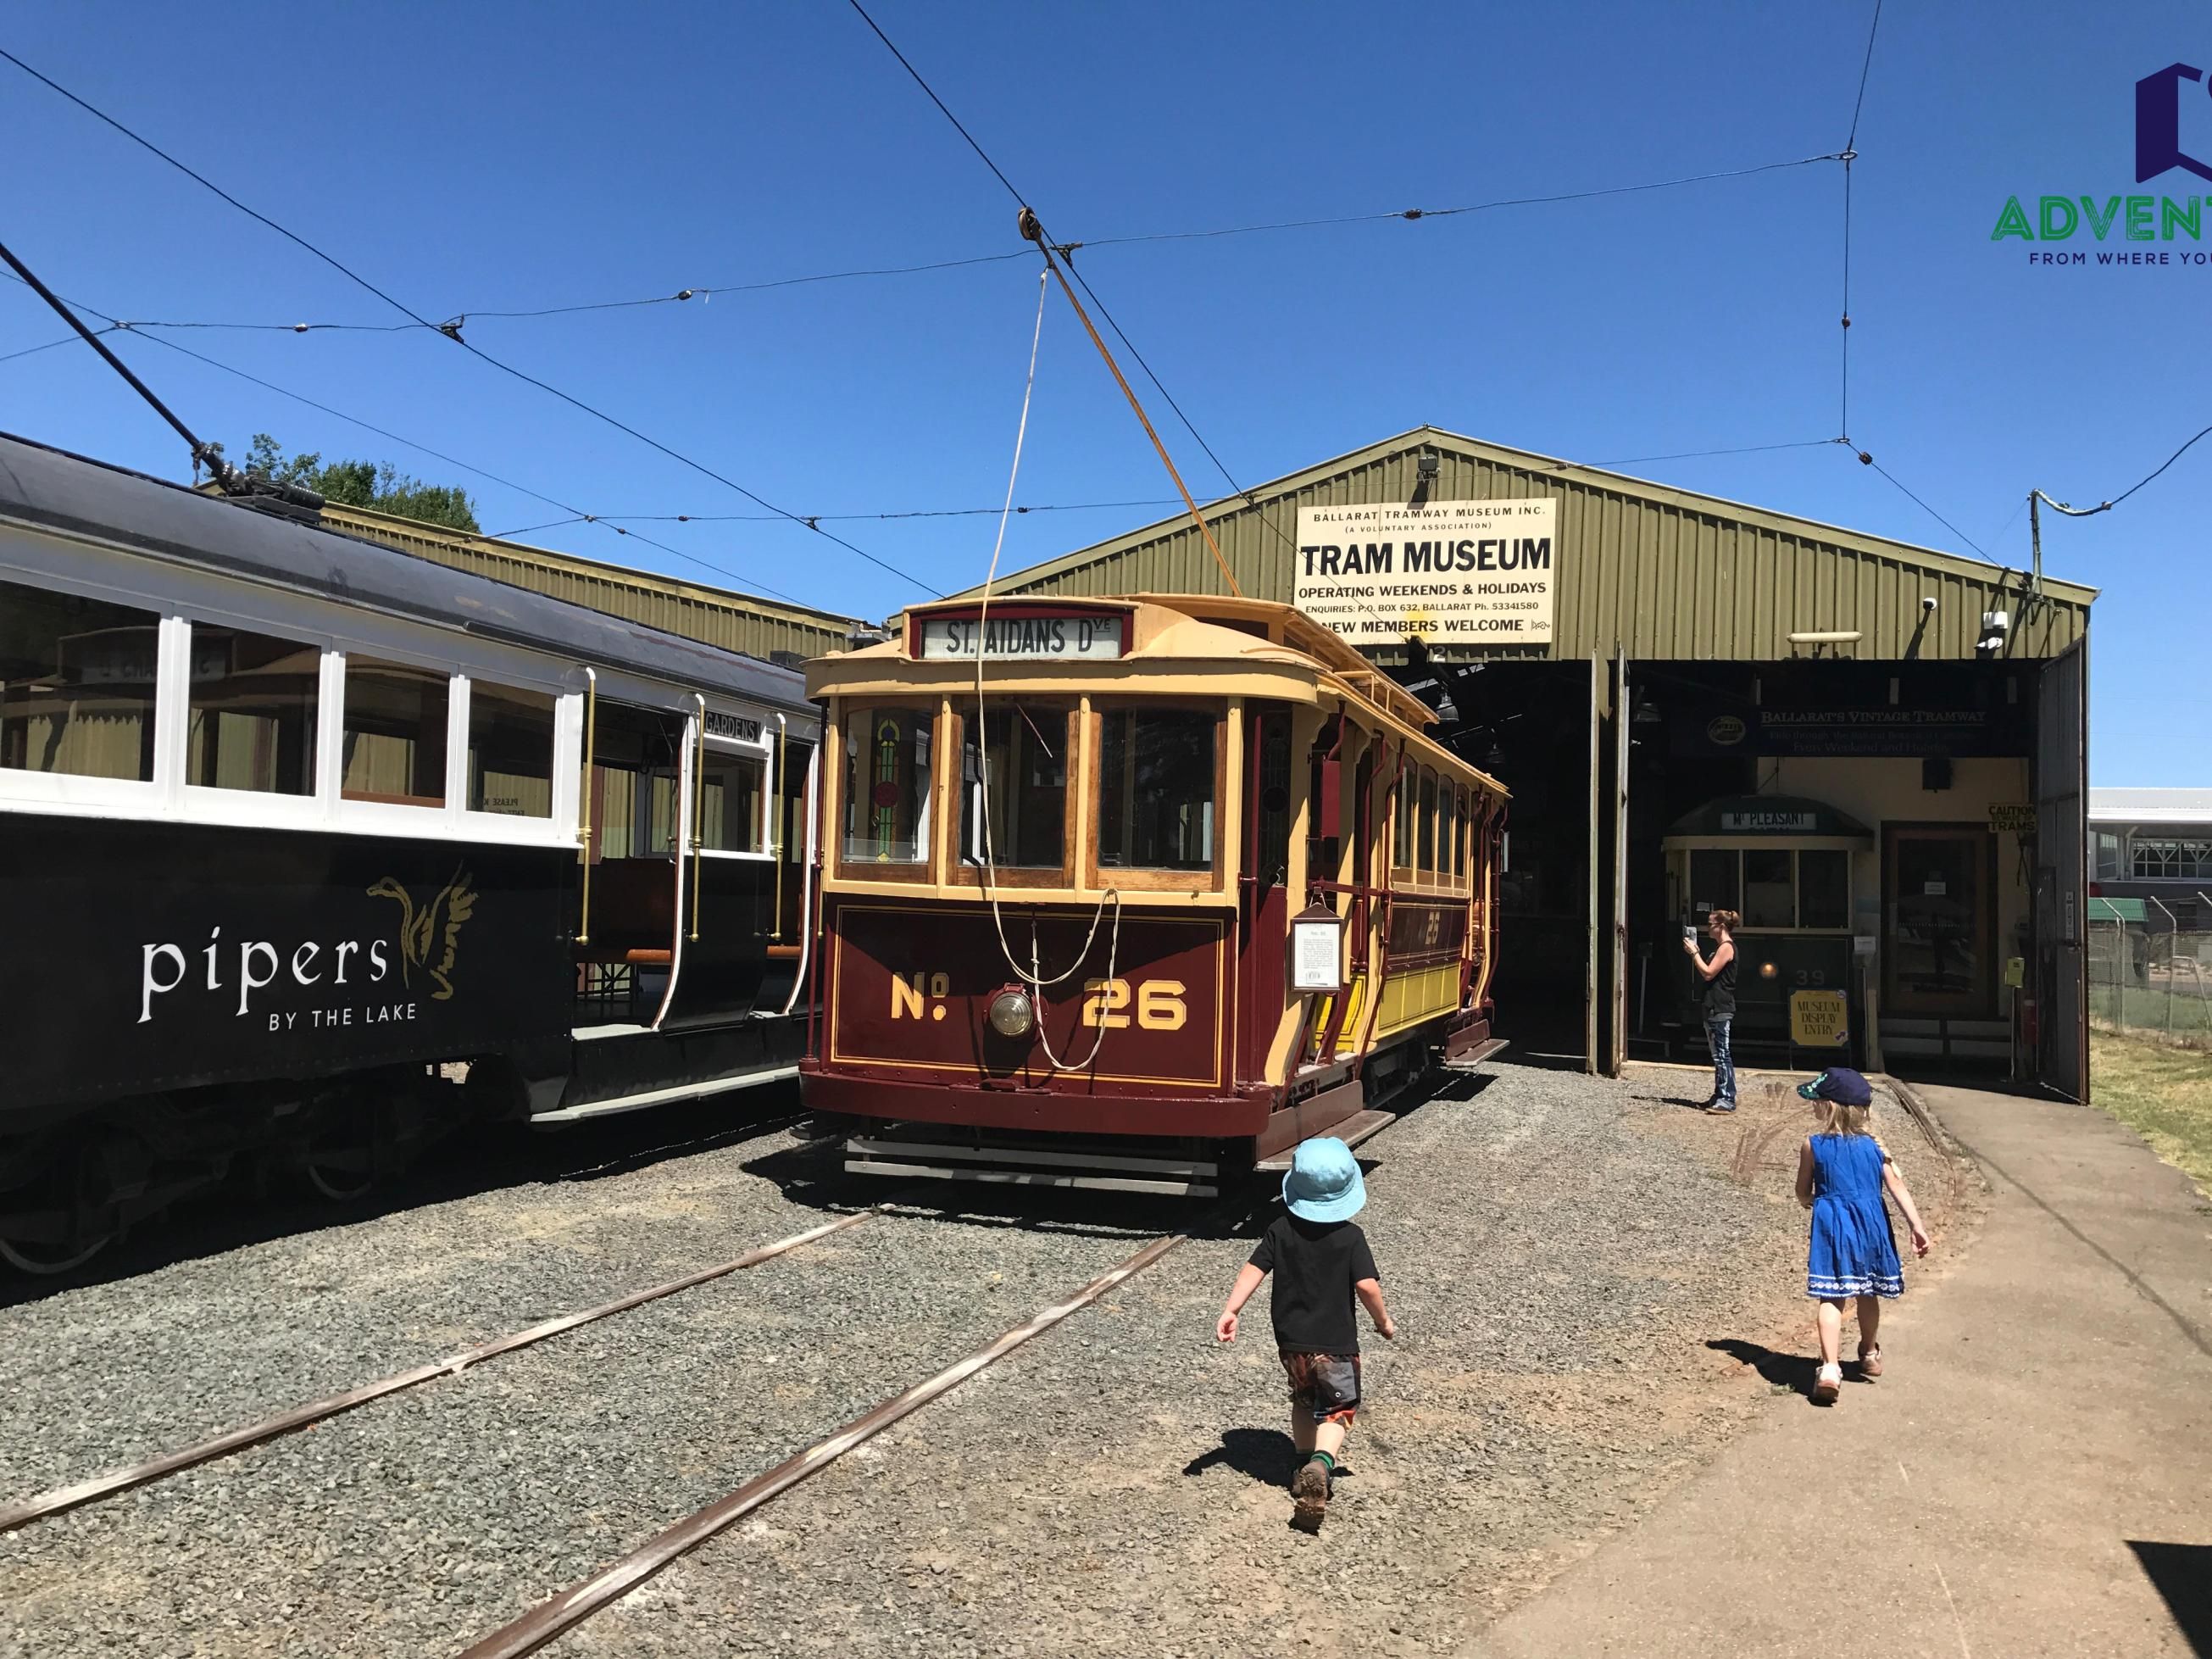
1136	893
310	848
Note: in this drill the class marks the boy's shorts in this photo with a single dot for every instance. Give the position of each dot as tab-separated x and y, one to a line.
1325	1385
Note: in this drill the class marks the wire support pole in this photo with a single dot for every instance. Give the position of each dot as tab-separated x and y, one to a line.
1034	232
201	455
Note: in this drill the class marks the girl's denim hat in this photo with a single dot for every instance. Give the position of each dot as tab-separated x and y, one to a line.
1324	1183
1841	1084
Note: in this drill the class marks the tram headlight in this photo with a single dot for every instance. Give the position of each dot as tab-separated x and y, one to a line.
1012	1014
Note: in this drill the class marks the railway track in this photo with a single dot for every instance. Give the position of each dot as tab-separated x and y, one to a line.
59	1500
558	1614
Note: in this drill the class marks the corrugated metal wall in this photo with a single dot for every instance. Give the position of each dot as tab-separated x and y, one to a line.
1663	572
734	621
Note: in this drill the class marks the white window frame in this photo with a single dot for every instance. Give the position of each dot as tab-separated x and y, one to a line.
178	595
764	752
71	791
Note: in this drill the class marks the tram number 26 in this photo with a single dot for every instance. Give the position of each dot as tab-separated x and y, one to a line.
1159	1005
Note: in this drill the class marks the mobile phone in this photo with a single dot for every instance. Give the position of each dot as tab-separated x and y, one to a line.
1689	930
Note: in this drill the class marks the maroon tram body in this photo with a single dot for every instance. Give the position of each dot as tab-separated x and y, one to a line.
1103	993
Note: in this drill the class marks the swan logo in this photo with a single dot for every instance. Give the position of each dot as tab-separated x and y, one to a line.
434	930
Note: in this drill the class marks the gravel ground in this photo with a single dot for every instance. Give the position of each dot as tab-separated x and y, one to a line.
1560	1251
113	1372
418	1523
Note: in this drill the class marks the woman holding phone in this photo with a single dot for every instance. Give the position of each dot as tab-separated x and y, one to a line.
1716	999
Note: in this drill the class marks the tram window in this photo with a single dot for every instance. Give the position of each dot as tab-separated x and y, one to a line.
510	751
76	684
1428	826
1824	889
1155	790
1448	833
887	785
1028	755
253	706
731	790
1768	892
395	733
1402	843
1712	880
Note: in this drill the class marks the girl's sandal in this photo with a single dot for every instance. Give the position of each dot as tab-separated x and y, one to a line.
1870	1363
1827	1384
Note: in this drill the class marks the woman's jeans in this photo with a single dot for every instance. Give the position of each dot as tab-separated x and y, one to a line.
1717	1034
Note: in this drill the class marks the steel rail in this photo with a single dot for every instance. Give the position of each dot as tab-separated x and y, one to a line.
107	1485
561	1613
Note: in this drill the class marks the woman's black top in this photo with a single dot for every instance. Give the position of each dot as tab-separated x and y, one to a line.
1718	993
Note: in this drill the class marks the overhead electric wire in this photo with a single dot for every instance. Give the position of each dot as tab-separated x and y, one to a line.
451	331
1865	69
1450	212
1924	508
703	291
1847	156
66	339
577	515
2106	506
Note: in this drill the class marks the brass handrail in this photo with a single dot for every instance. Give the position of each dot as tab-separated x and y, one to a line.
698	813
584	810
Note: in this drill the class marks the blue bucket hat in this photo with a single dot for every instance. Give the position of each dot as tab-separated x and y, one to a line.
1324	1183
1840	1085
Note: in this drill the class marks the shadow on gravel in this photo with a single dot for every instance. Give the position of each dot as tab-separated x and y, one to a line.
1263	1454
2182	1574
1785	1370
1683	1101
485	1158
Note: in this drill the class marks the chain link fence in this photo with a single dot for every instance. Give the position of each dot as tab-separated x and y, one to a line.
2150	970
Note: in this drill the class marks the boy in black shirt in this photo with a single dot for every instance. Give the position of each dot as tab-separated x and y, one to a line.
1321	1262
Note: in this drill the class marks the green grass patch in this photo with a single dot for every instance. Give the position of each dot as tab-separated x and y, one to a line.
2165	1095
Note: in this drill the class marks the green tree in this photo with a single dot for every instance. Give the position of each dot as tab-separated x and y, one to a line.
379	486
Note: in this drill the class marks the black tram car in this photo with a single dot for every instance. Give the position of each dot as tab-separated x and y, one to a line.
310	849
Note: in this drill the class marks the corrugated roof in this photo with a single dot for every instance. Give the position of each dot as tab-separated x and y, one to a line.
714	616
51	490
2150	806
1660	572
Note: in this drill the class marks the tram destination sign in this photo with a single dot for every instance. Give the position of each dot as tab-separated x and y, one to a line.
1022	637
1452	572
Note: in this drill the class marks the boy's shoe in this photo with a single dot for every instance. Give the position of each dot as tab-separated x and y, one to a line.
1721	1106
1308	1497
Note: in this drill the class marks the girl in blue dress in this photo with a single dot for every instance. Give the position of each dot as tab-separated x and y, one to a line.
1842	1173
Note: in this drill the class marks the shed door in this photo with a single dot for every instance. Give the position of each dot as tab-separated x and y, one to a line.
2062	873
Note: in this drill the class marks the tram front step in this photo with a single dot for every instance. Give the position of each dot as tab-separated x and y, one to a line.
1029	1166
1359	1128
1474	1056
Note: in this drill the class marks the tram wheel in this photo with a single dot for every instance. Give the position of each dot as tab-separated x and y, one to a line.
43	1260
57	1218
341	1159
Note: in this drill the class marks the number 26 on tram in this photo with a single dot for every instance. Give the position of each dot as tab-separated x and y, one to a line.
1172	883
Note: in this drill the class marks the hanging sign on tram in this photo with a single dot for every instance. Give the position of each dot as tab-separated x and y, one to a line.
1022	637
1463	573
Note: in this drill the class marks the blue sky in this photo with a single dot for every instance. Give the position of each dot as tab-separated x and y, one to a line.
512	155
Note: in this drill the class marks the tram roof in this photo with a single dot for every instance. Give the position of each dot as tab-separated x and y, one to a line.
1165	629
48	489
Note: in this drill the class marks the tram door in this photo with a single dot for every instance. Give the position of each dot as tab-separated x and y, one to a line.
626	940
1263	891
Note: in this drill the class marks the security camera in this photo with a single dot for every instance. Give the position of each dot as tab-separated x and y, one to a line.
1927	601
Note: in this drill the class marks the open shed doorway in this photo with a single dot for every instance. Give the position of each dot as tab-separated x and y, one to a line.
1529	724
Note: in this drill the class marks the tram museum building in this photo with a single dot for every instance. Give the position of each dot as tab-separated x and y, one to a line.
1876	752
